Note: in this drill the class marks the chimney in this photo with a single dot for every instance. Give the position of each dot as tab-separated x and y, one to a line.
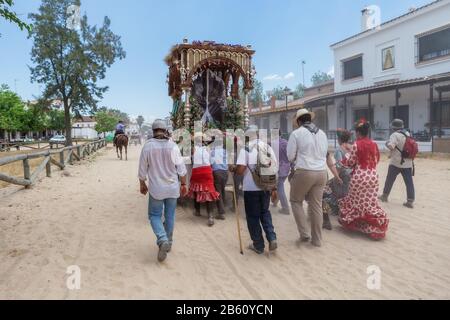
371	18
273	102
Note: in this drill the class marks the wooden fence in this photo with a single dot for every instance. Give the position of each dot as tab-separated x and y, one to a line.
29	178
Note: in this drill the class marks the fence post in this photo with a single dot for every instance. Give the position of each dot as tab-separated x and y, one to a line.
26	170
48	168
79	152
61	157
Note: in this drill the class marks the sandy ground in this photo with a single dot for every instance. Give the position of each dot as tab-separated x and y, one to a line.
96	219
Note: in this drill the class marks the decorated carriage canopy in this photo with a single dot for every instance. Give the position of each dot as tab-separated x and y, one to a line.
210	82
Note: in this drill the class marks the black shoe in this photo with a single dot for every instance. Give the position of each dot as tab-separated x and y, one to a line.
164	248
409	204
197	214
384	198
252	247
273	245
220	217
326	222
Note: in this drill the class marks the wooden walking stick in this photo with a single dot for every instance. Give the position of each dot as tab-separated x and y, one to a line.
237	217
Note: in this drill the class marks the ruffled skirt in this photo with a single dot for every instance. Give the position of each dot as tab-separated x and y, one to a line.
201	186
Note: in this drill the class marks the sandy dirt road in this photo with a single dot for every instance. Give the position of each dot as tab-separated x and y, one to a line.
94	217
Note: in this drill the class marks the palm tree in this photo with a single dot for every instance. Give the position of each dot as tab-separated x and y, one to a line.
140	121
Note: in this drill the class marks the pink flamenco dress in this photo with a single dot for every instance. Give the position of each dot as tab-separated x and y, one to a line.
360	210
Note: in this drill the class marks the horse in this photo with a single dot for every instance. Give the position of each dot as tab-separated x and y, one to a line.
122	142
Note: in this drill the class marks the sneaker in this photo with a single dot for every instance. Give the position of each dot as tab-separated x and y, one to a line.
409	204
220	217
273	245
383	198
164	248
210	221
252	247
284	211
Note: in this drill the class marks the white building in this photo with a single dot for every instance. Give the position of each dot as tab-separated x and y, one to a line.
84	128
398	69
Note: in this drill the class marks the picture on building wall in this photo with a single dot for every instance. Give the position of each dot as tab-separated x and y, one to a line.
388	56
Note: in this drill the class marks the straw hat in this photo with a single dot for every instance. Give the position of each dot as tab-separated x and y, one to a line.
301	113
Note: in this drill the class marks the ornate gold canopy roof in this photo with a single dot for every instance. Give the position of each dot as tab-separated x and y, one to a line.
187	60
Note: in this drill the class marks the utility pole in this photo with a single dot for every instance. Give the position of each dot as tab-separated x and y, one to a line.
303	72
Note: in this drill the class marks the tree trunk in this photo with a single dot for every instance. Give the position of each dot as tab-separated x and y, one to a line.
68	123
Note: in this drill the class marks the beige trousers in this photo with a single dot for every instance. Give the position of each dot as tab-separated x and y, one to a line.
308	185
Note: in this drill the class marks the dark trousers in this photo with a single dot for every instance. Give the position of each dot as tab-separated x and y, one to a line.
197	206
220	181
258	214
407	175
238	182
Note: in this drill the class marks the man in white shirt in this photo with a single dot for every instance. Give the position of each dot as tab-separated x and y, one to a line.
256	200
162	164
398	165
308	149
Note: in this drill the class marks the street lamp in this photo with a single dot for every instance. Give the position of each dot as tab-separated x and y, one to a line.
287	93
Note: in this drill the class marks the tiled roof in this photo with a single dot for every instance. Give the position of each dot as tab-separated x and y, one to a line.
387	86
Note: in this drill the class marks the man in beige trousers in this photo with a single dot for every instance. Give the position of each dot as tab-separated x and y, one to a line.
308	149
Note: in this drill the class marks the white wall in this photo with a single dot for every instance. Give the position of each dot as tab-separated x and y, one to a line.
403	36
84	133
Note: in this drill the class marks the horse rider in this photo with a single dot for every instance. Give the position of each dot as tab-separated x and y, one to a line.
120	129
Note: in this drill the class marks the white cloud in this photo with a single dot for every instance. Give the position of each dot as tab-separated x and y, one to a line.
272	77
290	75
331	71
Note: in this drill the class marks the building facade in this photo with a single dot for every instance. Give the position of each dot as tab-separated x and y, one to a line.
399	69
84	128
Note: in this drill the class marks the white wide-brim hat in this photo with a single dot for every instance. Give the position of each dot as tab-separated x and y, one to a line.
301	113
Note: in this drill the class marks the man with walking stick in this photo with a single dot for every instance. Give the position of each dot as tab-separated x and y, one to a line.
259	166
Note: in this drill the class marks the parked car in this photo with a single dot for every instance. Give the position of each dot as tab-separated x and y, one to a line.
58	139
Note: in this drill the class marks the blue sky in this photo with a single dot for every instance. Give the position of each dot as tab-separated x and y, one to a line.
283	32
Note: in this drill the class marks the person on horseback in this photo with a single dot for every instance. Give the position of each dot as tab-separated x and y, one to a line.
120	129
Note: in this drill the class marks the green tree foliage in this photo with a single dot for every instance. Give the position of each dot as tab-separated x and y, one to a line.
118	114
13	116
11	16
299	91
278	93
55	120
256	96
106	121
71	62
233	118
320	77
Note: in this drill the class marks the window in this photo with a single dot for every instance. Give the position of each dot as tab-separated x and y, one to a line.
401	112
433	46
359	114
352	68
388	58
436	113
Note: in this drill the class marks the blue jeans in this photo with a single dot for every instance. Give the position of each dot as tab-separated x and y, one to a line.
258	214
407	175
163	231
282	193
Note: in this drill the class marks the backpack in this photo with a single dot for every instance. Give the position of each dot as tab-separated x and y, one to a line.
265	175
410	149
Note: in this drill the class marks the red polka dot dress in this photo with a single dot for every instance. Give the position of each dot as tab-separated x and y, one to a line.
360	209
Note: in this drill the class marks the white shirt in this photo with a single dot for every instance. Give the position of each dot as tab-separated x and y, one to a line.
249	159
307	150
201	157
161	163
398	140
